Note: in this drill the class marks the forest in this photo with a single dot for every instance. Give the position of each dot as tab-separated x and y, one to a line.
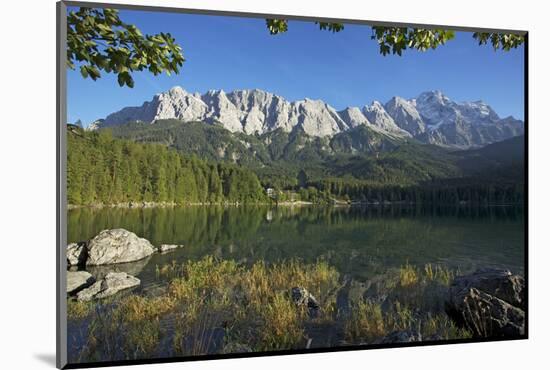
105	170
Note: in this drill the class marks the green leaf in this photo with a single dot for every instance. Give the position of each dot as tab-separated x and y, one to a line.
84	71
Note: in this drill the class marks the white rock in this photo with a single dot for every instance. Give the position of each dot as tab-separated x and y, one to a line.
77	280
117	246
168	247
76	254
113	283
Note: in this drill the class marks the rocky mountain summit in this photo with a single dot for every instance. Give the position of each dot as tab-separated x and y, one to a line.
431	117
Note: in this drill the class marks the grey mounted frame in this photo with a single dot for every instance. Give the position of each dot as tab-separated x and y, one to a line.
62	201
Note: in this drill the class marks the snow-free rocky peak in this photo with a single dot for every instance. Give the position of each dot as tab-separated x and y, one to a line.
431	117
377	115
405	115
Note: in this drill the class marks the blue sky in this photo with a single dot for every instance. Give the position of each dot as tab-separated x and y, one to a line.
343	69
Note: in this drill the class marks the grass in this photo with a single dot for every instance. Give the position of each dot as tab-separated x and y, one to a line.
408	275
77	309
415	303
215	305
441	327
282	324
367	323
138	308
439	273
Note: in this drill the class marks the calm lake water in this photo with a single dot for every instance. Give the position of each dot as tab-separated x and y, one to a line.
362	244
359	242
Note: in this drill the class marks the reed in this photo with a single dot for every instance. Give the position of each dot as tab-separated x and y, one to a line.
216	306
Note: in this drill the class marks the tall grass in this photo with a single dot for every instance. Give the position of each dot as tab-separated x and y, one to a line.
366	323
215	305
78	309
408	275
281	324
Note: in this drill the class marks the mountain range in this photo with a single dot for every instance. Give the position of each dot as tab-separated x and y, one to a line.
431	117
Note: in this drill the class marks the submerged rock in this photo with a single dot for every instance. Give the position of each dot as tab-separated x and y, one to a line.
76	254
131	268
113	283
117	246
78	280
401	336
89	293
489	303
234	347
168	247
302	297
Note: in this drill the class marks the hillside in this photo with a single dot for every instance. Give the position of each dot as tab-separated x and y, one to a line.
103	169
277	157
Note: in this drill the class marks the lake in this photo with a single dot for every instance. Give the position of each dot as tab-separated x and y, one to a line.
370	250
361	242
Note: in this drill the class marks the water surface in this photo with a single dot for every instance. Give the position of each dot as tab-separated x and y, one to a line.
360	242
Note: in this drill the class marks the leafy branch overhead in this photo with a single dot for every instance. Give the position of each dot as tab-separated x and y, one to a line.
398	39
504	41
98	41
395	40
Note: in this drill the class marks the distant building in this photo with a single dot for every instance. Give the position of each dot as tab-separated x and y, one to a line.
270	192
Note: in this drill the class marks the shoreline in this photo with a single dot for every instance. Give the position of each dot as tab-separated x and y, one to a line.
339	204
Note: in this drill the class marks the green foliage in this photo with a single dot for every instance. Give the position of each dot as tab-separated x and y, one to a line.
98	40
333	27
104	170
276	26
398	39
395	40
277	157
504	41
359	164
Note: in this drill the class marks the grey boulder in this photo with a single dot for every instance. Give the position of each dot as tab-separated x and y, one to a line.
499	283
489	302
76	254
117	246
78	280
113	283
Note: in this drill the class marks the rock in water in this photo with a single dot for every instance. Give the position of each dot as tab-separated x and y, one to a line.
131	268
117	246
89	293
499	283
77	280
113	283
302	297
234	347
168	247
76	254
401	336
489	302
